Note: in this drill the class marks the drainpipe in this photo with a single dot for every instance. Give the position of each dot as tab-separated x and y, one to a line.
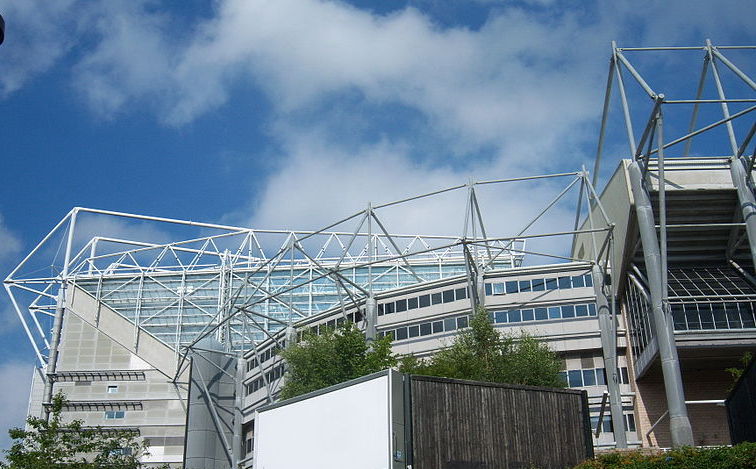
679	424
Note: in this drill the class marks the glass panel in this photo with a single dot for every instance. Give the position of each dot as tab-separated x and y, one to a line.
500	317
389	308
555	312
588	280
380	309
581	310
568	311
538	284
551	284
412	303
746	314
414	331
524	286
515	316
425	328
460	293
589	377
527	314
498	289
401	306
733	316
424	301
565	283
448	296
575	378
436	298
541	314
601	376
720	318
450	324
578	281
438	326
489	289
462	322
706	315
512	287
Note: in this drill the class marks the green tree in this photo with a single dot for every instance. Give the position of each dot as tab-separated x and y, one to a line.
333	357
481	353
54	444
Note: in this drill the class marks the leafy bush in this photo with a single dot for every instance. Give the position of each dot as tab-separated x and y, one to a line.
742	456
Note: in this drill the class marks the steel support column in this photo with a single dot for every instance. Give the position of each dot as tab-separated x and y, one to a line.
680	429
609	347
746	199
371	318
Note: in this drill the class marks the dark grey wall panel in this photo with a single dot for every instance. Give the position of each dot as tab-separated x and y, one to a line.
465	424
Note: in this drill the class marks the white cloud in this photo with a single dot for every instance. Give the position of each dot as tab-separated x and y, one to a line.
37	34
16	379
10	245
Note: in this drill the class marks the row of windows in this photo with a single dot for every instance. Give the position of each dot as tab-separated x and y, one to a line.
423	301
697	316
333	324
265	356
270	376
114	414
607	426
539	284
544	313
590	377
499	317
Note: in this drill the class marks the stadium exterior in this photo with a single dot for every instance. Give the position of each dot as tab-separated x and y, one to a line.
176	336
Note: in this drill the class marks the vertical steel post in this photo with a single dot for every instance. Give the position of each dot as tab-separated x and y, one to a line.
58	322
740	179
680	429
238	443
609	348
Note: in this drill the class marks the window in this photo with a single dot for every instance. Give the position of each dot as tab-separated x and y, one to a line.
380	309
401	306
436	298
527	315
424	301
489	289
401	333
539	284
564	283
414	331
438	326
589	377
514	316
389	308
412	303
575	378
500	316
425	328
112	389
568	311
512	287
462	322
460	293
114	414
581	310
588	280
578	281
524	286
551	284
498	289
448	296
450	324
555	312
541	314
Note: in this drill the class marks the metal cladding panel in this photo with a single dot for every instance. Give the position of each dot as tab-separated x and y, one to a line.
345	428
465	424
741	407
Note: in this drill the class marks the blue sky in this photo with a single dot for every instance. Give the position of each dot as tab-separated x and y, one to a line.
249	111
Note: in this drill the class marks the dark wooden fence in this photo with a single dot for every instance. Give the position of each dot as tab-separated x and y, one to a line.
741	407
472	425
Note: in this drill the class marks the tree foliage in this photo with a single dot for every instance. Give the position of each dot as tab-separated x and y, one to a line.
333	357
55	444
481	353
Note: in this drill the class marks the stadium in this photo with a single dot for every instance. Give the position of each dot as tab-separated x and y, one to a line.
645	289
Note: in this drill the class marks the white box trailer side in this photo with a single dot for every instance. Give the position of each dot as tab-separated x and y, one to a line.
357	424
